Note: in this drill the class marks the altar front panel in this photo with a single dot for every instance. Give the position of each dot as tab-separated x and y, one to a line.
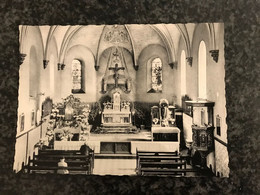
75	145
116	118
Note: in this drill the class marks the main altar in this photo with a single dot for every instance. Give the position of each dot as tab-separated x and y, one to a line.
116	116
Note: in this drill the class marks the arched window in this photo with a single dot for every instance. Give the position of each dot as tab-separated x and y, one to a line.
183	73
202	65
154	75
77	77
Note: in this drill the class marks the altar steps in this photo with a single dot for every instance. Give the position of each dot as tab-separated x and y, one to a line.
118	129
115	156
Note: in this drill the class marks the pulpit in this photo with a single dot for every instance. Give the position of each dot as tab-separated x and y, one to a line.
202	128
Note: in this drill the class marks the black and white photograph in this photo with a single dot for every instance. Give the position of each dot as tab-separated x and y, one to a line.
122	99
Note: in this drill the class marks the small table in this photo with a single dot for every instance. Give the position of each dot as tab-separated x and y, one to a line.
166	134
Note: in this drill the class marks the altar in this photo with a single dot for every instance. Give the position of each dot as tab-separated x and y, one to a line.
116	114
116	118
164	123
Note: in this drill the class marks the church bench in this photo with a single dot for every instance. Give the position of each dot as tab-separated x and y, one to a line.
168	164
54	162
69	154
53	169
45	152
47	160
152	155
62	152
153	163
156	153
68	157
171	172
60	156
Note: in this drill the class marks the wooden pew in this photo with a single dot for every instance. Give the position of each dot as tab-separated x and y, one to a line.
53	169
66	154
161	163
47	161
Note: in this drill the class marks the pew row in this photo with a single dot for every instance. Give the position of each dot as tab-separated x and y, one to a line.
161	163
46	161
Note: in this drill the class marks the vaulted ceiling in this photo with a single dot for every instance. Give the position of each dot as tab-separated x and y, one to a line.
65	37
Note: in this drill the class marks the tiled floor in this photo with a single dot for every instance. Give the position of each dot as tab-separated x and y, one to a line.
141	136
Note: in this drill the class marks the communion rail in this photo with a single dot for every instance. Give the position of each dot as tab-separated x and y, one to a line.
47	161
161	163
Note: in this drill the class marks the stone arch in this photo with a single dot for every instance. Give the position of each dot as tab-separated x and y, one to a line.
201	33
26	34
150	51
86	57
34	73
127	61
202	71
52	66
183	65
184	38
170	50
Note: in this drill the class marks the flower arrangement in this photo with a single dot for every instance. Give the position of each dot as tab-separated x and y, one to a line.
80	114
66	135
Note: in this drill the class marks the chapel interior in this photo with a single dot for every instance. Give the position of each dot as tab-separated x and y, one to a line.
122	100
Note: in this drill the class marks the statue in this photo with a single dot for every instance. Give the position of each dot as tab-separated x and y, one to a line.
86	112
164	115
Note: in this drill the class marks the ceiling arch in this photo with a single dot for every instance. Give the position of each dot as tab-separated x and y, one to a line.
166	32
185	36
103	45
163	33
67	37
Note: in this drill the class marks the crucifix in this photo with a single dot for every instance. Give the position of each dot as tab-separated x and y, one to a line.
116	75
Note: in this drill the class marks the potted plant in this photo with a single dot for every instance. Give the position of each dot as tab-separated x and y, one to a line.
94	115
140	117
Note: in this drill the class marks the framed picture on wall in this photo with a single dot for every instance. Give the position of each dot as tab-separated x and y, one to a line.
33	118
218	125
21	122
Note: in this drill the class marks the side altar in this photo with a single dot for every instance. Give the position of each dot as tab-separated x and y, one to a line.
164	123
116	115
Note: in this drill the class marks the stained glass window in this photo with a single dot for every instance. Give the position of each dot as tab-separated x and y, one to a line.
156	75
76	76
